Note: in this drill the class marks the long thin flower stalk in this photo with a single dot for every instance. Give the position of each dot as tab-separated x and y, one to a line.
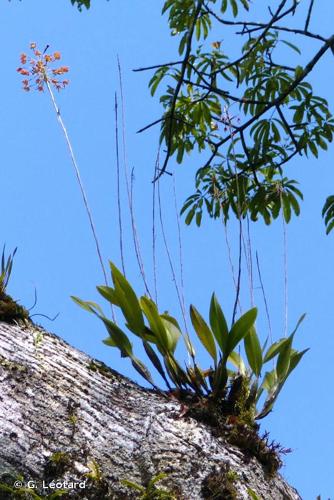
185	335
285	264
154	235
78	176
180	246
164	236
264	298
227	121
129	187
39	75
81	186
119	207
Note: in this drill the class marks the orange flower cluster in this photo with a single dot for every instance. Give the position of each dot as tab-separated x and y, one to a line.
39	71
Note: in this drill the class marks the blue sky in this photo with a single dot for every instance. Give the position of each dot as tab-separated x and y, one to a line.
42	212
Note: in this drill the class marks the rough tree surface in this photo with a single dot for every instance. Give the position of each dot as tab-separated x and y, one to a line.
64	415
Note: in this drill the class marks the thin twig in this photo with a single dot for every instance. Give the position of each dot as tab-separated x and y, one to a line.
288	129
278	100
150	125
309	13
120	226
267	28
295	31
156	66
78	176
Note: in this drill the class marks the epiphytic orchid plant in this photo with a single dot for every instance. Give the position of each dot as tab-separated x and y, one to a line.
160	334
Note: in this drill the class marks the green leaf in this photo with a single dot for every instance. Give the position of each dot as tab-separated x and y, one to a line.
295	359
109	342
119	338
198	218
252	494
283	360
270	381
274	349
299	114
330	227
238	362
234	6
245	4
155	361
173	332
183	43
88	305
203	332
253	351
175	372
301	319
81	3
291	45
133	485
156	324
190	216
218	323
286	207
142	370
128	301
313	148
109	294
240	329
220	379
223	6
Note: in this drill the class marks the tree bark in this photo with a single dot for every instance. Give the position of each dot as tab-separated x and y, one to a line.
68	418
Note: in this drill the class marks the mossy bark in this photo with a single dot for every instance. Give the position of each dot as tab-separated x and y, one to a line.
64	416
11	311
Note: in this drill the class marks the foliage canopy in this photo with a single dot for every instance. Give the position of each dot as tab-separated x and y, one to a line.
250	114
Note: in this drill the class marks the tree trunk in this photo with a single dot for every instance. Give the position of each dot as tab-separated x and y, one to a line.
68	418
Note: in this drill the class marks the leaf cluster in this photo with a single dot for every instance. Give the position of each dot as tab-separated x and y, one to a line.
81	3
276	113
227	378
6	270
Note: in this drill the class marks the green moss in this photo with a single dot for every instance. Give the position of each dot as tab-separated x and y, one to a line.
98	366
73	419
94	473
14	368
11	311
248	439
57	464
234	419
151	491
220	485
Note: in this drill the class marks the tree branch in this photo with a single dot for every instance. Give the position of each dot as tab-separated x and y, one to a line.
280	99
288	128
178	88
